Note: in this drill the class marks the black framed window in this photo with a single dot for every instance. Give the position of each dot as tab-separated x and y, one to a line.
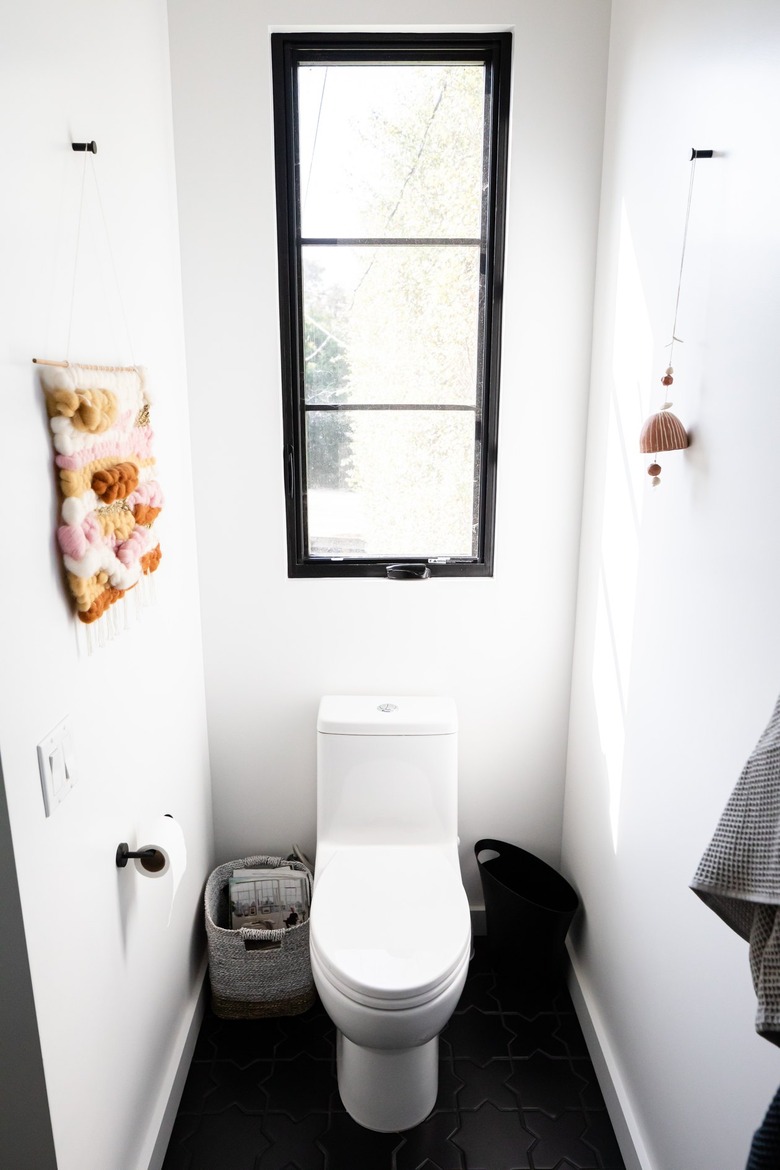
391	187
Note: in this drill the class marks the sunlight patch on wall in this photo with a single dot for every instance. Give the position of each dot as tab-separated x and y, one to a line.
624	492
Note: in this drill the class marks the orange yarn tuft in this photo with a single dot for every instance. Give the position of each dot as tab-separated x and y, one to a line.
145	514
115	483
151	560
101	604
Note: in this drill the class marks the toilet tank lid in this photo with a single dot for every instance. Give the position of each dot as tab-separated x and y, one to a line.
386	715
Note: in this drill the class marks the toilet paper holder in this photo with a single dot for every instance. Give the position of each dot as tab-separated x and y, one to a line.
151	859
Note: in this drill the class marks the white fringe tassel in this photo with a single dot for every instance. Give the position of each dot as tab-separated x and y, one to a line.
120	616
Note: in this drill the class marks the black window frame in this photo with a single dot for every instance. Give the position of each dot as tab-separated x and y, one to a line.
288	50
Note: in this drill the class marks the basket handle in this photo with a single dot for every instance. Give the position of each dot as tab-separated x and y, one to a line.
269	939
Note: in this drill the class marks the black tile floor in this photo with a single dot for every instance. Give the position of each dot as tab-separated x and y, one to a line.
517	1091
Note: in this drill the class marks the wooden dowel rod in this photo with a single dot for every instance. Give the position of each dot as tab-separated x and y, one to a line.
83	366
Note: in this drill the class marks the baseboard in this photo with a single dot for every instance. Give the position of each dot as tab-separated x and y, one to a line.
616	1097
191	1022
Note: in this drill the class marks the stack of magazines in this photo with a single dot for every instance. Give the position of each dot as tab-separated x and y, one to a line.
269	899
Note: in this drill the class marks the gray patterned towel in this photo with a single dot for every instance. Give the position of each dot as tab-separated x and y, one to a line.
739	874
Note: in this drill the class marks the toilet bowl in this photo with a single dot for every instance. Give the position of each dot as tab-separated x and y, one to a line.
390	924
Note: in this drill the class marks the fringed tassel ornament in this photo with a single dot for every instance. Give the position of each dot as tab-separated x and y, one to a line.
663	431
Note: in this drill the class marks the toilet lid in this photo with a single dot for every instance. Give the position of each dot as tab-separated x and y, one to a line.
390	923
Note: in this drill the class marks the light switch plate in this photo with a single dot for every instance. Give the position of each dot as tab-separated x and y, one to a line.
57	765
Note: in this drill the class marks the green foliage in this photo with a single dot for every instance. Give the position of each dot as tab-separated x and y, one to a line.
326	370
398	324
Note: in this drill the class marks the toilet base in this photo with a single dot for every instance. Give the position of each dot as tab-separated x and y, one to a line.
387	1089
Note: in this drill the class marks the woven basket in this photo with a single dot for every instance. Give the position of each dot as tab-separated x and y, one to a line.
255	973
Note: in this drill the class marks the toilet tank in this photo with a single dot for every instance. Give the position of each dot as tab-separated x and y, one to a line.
387	770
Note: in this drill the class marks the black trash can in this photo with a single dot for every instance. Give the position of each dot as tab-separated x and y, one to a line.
528	909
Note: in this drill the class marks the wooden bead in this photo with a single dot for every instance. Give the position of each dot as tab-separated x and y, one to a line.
668	370
667	380
654	469
656	481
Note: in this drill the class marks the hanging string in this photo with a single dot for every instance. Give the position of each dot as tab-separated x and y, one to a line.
89	158
113	262
670	345
76	257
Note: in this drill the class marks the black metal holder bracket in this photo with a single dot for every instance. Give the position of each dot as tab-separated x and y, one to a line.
91	146
406	571
124	853
700	154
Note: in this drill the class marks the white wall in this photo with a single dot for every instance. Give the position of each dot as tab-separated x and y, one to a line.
272	646
115	987
678	637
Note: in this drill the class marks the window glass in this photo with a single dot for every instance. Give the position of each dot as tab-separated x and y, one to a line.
391	161
391	324
391	150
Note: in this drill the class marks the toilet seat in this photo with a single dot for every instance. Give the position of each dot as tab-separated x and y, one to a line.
391	925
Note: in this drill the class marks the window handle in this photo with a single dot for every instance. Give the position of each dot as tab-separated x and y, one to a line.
289	471
408	572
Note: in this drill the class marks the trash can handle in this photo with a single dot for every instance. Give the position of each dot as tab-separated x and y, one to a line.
487	843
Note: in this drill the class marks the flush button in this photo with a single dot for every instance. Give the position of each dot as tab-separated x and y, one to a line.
387	707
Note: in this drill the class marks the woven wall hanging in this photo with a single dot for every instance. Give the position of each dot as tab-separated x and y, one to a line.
99	419
110	497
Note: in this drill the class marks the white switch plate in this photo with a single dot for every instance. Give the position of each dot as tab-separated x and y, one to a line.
57	765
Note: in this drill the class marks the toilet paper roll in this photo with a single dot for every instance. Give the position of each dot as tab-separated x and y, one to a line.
164	835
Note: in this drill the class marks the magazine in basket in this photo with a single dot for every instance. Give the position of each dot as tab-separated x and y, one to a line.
269	899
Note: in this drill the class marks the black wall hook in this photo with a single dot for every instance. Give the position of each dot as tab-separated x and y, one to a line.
152	858
91	146
700	154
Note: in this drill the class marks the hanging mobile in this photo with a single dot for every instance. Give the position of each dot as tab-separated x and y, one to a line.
663	431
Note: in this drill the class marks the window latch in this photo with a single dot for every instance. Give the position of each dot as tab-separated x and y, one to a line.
408	572
289	471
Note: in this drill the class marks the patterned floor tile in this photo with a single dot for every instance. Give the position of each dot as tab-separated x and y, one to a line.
179	1154
477	1037
429	1145
570	1033
485	1083
560	1138
293	1142
517	1091
512	996
245	1041
493	1139
232	1085
536	1035
298	1087
197	1088
543	1082
601	1137
450	1085
591	1096
478	993
230	1138
311	1034
348	1145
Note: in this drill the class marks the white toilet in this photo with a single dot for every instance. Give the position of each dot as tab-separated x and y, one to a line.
390	924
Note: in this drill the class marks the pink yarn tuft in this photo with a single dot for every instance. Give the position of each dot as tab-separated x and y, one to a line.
149	493
92	529
132	549
73	541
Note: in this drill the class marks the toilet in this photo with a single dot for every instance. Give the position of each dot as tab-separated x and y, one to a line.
390	928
